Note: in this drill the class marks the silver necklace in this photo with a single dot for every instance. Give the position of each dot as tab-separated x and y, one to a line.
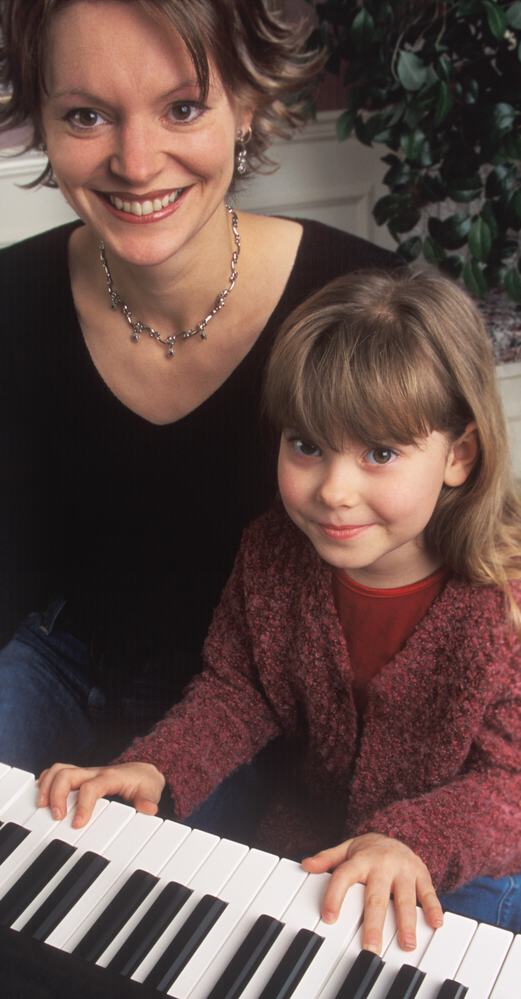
170	341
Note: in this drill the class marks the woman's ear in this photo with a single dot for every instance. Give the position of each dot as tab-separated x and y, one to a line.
462	456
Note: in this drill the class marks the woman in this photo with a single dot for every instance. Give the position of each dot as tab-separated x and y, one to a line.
134	458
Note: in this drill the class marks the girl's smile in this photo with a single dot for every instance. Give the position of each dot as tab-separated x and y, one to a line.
365	510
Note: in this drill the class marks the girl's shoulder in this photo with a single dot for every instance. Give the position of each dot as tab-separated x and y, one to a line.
274	545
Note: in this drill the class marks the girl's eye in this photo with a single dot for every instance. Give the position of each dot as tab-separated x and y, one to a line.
380	456
186	111
306	448
85	118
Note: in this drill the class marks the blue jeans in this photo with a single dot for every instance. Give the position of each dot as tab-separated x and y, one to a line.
52	711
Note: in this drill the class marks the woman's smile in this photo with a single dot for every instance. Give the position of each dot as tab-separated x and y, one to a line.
151	207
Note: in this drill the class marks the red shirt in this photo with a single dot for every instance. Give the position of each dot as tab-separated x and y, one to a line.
377	623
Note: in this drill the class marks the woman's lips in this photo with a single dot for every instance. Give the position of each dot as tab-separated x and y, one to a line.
148	208
343	532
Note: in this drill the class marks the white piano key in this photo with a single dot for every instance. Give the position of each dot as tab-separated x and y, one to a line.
238	892
272	900
507	984
346	959
337	938
209	880
302	913
445	953
121	853
483	960
42	829
193	848
394	955
19	796
107	821
4	769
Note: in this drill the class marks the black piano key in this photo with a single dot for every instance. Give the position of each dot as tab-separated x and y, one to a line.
452	990
360	979
11	835
65	895
247	959
149	928
115	915
406	983
185	943
31	882
293	966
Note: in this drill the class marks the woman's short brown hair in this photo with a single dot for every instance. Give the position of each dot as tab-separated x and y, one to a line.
260	59
383	358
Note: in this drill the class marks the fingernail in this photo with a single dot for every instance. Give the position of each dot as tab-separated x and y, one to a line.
409	943
56	814
40	801
372	947
438	921
328	917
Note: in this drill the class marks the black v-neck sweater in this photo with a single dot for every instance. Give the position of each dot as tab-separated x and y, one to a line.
136	525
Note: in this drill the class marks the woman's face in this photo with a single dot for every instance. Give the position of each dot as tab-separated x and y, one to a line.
134	150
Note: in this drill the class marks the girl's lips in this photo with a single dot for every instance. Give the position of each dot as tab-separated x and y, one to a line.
131	207
342	533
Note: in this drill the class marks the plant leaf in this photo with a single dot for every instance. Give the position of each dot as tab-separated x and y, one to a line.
411	248
411	71
512	284
514	15
432	251
466	189
480	240
503	116
474	278
452	232
444	104
497	19
362	29
452	265
413	143
386	208
344	125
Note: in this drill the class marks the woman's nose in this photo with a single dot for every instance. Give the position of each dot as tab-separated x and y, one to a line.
138	156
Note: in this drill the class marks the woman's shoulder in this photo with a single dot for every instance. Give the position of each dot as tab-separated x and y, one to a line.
30	263
326	253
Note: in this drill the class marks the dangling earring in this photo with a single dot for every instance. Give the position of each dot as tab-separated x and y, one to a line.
241	155
42	147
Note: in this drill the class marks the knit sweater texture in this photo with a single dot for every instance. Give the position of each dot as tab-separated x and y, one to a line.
438	763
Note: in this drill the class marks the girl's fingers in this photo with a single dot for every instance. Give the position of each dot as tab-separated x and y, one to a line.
430	904
406	914
327	859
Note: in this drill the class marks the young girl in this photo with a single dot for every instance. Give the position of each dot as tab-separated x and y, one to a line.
371	617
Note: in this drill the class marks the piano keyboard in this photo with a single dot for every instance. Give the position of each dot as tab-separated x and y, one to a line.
132	906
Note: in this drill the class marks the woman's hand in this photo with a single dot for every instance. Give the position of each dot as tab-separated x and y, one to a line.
139	783
384	865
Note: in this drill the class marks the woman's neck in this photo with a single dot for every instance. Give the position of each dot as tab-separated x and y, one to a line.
176	293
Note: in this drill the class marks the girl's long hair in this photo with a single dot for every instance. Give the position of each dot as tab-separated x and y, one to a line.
384	358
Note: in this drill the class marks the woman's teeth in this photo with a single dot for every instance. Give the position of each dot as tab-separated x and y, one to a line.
146	207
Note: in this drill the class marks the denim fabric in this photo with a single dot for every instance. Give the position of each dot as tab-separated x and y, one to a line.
51	711
488	900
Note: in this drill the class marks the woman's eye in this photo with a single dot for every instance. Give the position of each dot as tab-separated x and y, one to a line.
85	118
186	111
380	456
306	448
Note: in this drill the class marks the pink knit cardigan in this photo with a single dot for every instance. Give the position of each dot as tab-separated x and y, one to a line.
438	764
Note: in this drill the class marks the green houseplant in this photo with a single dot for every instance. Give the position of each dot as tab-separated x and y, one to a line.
440	85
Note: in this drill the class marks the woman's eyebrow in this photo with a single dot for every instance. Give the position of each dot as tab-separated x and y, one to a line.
96	99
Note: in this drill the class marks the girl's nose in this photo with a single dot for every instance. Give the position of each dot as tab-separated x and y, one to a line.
338	486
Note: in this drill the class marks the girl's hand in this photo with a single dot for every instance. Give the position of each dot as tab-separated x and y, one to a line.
139	783
384	865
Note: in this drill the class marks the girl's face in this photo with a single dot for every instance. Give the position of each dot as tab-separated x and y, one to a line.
365	509
135	152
